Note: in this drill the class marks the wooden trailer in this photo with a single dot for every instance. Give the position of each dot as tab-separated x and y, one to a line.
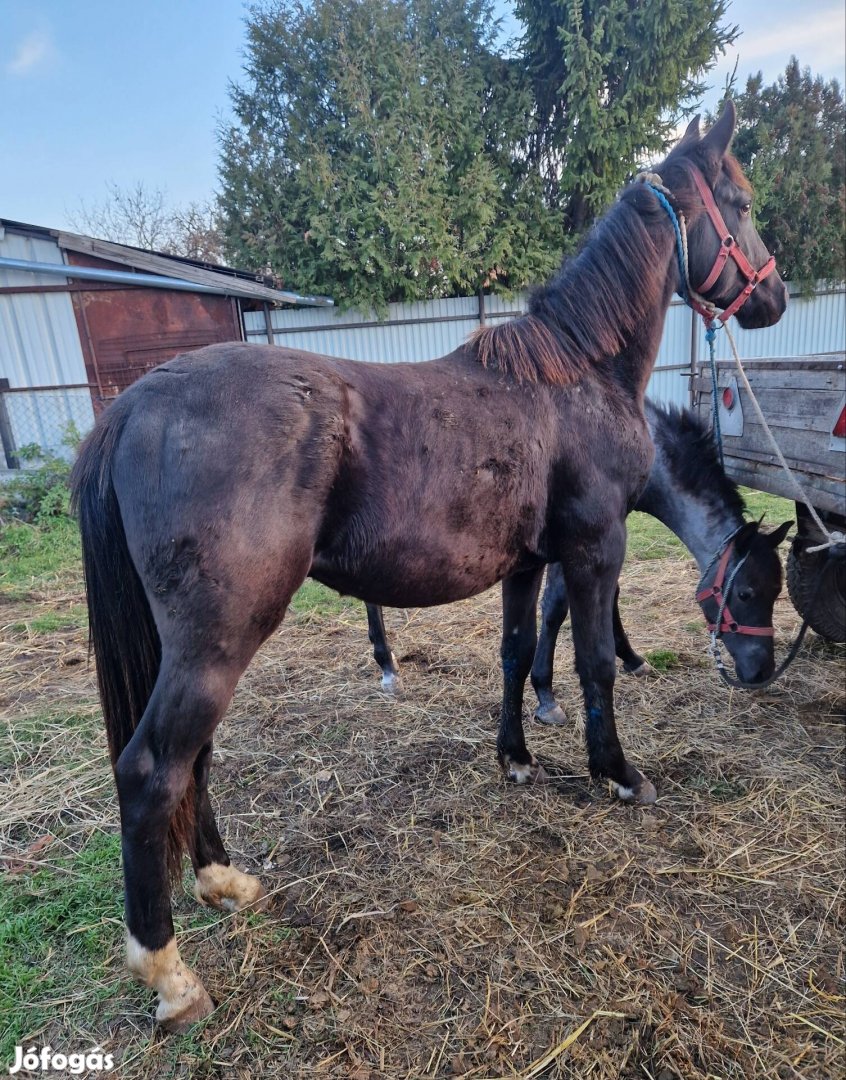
804	402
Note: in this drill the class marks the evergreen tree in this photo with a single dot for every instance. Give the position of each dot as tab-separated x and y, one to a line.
372	154
610	82
790	140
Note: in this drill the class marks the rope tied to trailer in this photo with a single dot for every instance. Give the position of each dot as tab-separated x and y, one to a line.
833	538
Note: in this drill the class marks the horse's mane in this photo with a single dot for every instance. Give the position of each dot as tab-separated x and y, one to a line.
586	313
591	306
688	445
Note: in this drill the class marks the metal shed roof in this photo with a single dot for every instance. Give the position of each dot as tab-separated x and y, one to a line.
219	279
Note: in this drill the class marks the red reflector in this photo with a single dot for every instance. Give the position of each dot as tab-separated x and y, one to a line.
839	429
728	397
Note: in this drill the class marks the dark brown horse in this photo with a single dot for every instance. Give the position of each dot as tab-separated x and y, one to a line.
213	486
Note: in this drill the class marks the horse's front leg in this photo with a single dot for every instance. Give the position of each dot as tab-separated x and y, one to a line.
554	609
519	636
591	572
381	649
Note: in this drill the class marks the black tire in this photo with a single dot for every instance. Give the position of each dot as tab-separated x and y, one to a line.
816	583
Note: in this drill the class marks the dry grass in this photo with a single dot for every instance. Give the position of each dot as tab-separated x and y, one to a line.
431	920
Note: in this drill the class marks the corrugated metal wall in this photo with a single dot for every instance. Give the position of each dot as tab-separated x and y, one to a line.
39	346
39	340
422	331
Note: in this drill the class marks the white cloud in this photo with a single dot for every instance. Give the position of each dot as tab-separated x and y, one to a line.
34	51
816	37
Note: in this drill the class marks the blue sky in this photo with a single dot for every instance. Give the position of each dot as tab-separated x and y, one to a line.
105	90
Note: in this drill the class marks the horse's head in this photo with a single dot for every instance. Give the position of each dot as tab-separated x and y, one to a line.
737	594
729	266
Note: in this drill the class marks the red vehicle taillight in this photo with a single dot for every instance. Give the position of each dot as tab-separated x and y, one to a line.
839	429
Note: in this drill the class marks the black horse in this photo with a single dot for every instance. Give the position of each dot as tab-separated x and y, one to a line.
213	486
689	492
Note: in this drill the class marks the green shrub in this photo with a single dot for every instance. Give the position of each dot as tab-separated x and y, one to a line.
40	493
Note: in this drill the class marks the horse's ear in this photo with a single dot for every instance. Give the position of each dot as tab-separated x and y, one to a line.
691	133
777	535
717	140
744	536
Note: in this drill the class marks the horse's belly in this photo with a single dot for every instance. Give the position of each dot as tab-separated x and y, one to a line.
419	574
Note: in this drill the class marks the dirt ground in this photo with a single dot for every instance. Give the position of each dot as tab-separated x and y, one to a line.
428	918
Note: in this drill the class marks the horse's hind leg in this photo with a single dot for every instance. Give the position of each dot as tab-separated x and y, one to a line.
218	883
153	774
633	662
519	636
381	650
554	607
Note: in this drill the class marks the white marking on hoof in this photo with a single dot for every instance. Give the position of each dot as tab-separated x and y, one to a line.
525	773
391	683
182	997
553	715
645	669
644	794
229	889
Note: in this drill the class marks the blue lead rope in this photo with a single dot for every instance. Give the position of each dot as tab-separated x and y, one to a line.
710	334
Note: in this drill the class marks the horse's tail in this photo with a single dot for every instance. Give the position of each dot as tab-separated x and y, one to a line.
122	632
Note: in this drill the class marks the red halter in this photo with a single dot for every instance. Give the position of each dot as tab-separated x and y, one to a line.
727	623
728	247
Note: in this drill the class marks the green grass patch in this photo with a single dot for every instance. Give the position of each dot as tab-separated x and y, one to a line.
52	938
32	556
773	507
23	737
663	659
312	598
649	539
73	618
721	789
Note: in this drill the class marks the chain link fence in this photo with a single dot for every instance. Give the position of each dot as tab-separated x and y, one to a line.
42	420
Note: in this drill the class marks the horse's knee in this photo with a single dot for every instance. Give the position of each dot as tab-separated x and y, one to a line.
596	669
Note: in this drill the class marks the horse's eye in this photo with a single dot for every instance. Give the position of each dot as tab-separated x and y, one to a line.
745	594
746	209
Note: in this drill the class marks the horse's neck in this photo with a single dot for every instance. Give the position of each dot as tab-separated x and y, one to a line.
612	298
701	520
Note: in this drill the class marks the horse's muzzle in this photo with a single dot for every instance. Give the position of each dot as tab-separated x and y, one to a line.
765	306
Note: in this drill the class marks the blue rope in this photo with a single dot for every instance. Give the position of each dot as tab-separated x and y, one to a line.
710	335
710	328
665	202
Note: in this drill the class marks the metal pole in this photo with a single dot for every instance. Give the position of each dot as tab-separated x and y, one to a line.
694	354
6	436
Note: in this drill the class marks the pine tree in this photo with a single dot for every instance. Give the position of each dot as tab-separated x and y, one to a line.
790	139
371	158
611	81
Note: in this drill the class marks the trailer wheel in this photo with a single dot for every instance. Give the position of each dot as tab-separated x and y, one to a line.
816	582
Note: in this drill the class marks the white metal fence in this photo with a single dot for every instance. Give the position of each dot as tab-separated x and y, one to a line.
423	330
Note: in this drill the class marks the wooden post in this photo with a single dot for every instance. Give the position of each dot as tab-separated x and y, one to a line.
6	436
694	353
481	307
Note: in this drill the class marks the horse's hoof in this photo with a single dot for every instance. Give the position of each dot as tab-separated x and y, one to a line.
642	671
531	772
391	685
553	715
229	889
182	997
177	1018
642	793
